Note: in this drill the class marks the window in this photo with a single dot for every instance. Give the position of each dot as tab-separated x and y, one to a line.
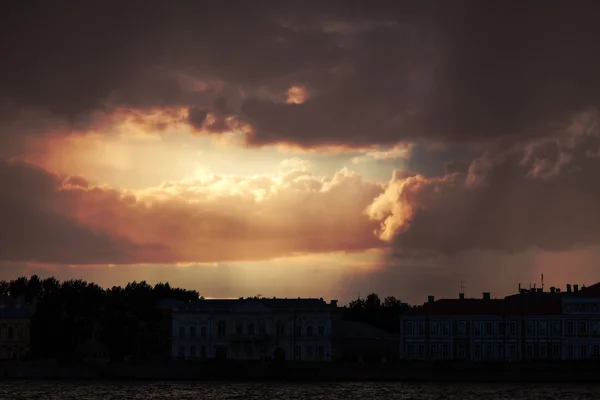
513	328
570	351
321	330
250	329
192	351
321	352
501	329
421	329
410	350
433	328
555	328
421	350
489	329
583	328
583	351
309	331
221	329
262	328
543	351
182	331
512	351
462	351
279	328
500	352
445	329
529	351
529	328
192	331
594	308
477	351
181	351
309	351
239	328
445	351
462	328
298	330
297	352
570	328
542	328
409	329
595	328
489	352
250	351
596	351
203	332
11	333
477	328
433	351
556	351
203	351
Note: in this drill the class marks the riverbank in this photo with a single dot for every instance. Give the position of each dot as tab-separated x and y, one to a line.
306	372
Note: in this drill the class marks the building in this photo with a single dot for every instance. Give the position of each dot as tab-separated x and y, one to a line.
15	318
531	325
254	329
358	341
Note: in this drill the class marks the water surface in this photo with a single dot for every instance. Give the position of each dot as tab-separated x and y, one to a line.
26	390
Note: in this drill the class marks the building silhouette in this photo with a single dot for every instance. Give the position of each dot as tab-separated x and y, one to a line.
531	325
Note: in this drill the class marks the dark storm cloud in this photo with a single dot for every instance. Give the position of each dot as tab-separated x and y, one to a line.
540	195
378	72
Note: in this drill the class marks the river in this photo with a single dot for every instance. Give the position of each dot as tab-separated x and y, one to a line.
25	390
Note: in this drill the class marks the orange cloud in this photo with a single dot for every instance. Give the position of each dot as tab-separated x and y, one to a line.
209	218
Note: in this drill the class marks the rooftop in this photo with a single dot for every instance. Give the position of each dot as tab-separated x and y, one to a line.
256	305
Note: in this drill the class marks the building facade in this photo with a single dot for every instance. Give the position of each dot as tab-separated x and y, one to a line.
254	329
15	319
532	325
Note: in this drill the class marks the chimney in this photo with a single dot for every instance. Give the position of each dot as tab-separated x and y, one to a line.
486	295
540	290
568	288
430	299
557	290
575	287
461	296
552	289
333	303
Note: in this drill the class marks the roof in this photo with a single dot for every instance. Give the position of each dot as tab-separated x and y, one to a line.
359	330
14	308
520	305
255	305
589	292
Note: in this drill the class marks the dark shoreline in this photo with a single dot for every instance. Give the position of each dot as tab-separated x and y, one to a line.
566	373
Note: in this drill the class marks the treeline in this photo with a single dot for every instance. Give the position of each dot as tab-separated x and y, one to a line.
68	313
383	314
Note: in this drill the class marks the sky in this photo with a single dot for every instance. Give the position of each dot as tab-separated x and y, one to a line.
301	148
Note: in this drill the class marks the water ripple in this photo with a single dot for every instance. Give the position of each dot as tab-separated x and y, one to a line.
30	390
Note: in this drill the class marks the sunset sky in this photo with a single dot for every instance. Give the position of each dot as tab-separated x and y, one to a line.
301	148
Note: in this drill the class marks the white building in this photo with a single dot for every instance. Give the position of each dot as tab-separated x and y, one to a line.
532	325
254	329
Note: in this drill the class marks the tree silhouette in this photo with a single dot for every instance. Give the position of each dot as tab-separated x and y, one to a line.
66	314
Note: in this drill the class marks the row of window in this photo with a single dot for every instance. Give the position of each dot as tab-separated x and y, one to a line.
510	328
307	352
493	352
587	308
251	329
12	333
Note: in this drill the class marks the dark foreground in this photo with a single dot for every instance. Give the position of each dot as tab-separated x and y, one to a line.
310	372
34	390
